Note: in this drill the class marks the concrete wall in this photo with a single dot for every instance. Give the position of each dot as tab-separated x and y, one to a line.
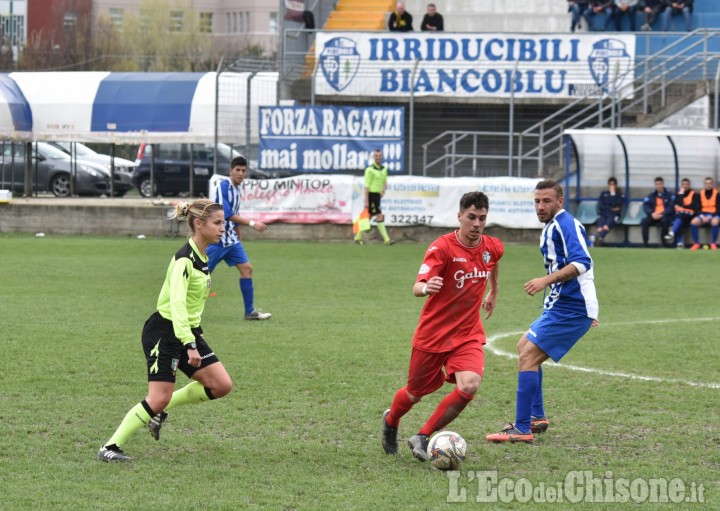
133	217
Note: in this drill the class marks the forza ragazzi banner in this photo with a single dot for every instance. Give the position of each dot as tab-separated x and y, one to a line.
330	139
473	65
408	200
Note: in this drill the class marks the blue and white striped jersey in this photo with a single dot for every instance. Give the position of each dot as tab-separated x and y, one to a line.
229	197
562	242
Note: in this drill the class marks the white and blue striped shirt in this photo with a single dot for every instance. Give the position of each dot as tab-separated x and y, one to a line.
562	242
229	197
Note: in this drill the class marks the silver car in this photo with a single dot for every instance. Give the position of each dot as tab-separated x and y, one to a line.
123	167
51	170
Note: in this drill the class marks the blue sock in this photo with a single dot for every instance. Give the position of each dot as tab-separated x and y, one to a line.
246	288
715	229
527	388
538	408
695	233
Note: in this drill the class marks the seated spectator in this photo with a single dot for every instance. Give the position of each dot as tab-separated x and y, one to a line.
676	8
576	8
400	20
709	215
651	9
596	7
687	206
432	21
609	208
625	8
659	210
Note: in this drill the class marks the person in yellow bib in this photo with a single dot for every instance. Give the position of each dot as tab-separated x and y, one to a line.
373	191
172	337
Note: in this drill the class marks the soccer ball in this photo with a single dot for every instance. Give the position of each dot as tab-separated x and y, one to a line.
446	450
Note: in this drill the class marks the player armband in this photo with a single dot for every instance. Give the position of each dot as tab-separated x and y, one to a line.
251	223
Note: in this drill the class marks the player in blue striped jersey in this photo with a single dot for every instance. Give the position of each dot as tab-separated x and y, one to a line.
230	249
570	308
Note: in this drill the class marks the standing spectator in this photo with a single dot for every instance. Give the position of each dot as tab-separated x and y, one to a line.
400	20
687	206
651	9
659	210
448	341
709	215
375	182
596	7
610	204
576	8
230	248
433	20
625	8
675	8
570	308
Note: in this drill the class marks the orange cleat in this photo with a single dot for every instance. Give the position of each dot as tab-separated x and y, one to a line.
510	434
696	246
713	246
538	424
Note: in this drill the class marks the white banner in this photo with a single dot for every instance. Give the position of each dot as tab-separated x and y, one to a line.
409	200
473	66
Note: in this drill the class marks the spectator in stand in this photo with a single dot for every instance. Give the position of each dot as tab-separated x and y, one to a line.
659	210
675	8
652	10
576	8
400	20
610	204
709	215
625	8
687	206
596	7
432	21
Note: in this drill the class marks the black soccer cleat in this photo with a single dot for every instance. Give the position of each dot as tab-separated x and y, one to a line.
112	453
156	423
419	444
539	424
389	436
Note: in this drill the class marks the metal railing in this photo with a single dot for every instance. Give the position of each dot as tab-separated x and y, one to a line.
652	93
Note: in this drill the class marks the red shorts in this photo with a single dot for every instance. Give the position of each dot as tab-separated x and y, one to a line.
426	373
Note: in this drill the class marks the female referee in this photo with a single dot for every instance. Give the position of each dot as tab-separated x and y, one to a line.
172	338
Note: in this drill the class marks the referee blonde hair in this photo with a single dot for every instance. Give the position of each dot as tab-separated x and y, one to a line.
200	209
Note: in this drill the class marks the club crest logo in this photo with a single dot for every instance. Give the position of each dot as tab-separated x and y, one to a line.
486	257
609	62
339	62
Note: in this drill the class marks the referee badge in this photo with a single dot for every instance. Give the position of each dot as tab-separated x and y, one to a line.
486	257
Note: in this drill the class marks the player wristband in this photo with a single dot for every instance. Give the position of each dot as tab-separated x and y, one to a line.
424	290
251	223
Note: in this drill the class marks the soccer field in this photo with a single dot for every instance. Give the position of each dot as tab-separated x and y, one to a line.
637	409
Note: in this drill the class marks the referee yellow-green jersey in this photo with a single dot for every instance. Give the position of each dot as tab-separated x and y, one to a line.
186	287
375	178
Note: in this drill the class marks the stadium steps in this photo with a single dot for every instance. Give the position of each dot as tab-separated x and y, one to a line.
680	95
353	15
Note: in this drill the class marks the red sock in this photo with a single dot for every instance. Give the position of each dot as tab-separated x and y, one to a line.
400	406
447	410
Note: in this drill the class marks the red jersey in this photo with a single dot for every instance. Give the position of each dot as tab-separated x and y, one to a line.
452	316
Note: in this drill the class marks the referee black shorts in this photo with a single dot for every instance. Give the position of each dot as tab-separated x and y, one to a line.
166	354
374	203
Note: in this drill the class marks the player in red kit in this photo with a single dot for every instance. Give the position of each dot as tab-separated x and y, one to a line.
450	335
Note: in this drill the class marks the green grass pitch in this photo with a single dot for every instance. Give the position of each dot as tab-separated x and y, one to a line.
300	431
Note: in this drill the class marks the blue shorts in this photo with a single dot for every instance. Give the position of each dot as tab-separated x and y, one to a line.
232	255
556	332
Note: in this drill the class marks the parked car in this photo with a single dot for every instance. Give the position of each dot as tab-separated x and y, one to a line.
52	170
123	168
172	168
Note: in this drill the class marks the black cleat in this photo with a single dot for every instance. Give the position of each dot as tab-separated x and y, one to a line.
156	423
389	436
419	444
538	424
113	453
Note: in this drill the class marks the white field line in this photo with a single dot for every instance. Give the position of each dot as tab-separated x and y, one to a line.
490	346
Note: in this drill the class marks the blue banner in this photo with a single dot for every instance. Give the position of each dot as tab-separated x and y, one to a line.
330	139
